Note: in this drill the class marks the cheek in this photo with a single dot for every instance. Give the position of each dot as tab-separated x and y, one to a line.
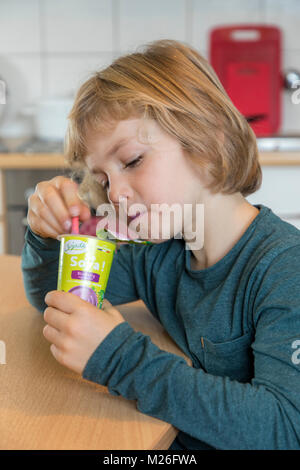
158	227
165	187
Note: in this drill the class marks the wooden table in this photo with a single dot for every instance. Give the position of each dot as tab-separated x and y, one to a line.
44	405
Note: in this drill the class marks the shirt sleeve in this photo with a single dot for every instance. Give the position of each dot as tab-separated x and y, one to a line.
224	413
40	258
39	268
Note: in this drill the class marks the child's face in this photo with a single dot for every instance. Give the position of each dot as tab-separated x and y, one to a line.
161	175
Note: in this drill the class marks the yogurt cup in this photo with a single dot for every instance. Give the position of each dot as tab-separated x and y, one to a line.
84	266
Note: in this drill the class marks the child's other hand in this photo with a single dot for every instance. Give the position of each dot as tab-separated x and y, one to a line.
76	328
52	205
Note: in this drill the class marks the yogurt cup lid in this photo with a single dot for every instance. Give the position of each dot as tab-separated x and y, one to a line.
80	235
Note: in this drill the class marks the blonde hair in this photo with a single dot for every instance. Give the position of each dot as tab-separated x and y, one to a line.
173	84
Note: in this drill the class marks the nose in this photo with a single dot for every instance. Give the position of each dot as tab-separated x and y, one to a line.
118	190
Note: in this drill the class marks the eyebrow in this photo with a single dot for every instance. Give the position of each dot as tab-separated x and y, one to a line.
117	146
114	149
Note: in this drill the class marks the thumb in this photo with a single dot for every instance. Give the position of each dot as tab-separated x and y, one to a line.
106	304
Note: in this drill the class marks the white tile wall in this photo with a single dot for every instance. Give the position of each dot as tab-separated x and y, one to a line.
23	76
285	13
19	26
25	73
64	73
280	190
290	110
50	46
208	14
144	21
77	25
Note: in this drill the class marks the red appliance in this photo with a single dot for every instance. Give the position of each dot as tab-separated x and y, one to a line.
247	60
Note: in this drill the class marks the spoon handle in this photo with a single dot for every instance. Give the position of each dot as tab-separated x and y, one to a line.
75	225
134	242
104	234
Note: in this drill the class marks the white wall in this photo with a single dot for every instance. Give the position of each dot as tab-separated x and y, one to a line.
48	47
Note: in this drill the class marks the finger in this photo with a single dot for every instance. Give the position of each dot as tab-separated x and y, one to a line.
69	203
106	304
75	205
44	213
69	191
65	301
56	318
52	199
52	335
40	227
57	353
85	213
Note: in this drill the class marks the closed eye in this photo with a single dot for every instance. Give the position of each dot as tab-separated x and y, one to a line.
131	164
134	162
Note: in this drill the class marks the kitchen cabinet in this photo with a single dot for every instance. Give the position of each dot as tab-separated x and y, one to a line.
280	187
18	171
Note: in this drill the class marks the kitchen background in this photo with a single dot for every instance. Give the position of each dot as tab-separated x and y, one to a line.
49	47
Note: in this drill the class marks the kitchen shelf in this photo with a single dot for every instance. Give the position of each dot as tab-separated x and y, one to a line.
20	161
36	161
279	158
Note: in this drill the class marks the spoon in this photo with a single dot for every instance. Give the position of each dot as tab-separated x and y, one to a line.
75	225
104	234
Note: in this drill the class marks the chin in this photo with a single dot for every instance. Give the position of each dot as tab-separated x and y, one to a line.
160	238
154	232
157	241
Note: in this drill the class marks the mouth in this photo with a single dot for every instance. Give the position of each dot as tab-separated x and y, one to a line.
131	218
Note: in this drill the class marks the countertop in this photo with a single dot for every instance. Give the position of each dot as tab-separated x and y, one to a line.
16	159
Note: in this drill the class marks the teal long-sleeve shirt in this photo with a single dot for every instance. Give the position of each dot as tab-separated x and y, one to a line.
238	321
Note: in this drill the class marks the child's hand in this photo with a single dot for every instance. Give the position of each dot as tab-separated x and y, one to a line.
75	328
52	205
